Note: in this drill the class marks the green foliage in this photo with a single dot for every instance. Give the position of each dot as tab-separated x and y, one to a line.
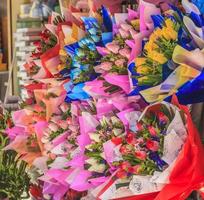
14	181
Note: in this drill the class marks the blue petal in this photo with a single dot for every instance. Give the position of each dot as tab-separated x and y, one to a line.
159	162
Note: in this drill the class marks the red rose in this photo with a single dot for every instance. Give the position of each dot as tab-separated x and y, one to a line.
162	117
125	166
121	174
130	138
152	131
116	140
139	126
125	149
152	145
142	155
136	169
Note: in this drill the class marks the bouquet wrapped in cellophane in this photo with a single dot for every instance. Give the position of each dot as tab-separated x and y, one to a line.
89	128
158	160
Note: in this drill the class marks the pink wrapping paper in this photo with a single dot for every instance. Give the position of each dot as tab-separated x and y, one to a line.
119	80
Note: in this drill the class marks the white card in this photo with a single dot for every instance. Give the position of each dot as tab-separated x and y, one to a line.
178	126
172	147
163	177
142	185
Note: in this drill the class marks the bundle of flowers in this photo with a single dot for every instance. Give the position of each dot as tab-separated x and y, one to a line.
168	62
83	133
150	160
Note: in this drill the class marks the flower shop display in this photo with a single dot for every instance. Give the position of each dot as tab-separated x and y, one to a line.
102	119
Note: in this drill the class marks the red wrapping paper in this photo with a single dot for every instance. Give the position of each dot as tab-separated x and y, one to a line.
48	58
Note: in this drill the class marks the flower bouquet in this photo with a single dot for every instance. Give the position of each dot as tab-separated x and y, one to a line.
167	50
85	129
152	158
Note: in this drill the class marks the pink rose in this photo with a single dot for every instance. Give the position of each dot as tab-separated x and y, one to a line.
139	126
103	67
152	145
120	62
106	66
124	34
113	47
64	107
55	119
103	51
140	140
162	117
54	127
125	52
126	27
63	124
125	166
136	169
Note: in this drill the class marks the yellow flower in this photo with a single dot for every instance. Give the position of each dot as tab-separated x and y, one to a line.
142	78
155	35
140	61
158	57
150	46
140	66
169	23
169	32
143	69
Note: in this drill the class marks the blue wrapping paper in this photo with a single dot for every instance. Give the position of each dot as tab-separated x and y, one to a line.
75	92
191	92
107	20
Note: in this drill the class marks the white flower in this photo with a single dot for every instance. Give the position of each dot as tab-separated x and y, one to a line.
88	146
91	161
104	121
117	131
115	120
100	168
95	137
